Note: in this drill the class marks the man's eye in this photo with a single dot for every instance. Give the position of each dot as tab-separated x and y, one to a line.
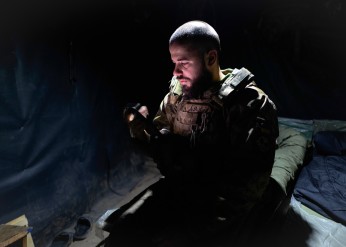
184	64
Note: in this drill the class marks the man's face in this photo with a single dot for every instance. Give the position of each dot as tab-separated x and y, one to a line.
190	69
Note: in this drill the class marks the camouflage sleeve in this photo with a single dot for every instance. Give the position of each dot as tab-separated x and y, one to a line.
161	120
252	129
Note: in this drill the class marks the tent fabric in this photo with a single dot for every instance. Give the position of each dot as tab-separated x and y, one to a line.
58	141
68	67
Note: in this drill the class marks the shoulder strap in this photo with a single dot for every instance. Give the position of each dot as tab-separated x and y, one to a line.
239	79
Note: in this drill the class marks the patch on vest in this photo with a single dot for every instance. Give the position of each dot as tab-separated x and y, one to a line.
191	118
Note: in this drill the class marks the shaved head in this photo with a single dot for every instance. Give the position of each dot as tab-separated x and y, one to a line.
197	33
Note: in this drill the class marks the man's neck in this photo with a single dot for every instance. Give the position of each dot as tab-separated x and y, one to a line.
217	74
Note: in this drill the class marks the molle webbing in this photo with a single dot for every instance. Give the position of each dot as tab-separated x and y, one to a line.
192	116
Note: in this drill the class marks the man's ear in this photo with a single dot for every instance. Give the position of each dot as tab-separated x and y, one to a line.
211	57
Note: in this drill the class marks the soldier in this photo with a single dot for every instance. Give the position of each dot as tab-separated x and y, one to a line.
214	140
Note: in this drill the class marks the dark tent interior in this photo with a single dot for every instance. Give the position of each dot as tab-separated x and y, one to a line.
67	69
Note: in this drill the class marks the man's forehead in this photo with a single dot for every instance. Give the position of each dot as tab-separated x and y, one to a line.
183	50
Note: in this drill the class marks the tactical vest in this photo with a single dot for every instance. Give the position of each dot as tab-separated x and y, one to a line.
193	117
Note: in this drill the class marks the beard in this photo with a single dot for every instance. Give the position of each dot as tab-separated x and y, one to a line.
198	85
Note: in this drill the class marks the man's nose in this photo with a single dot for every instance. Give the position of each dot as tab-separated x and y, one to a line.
177	70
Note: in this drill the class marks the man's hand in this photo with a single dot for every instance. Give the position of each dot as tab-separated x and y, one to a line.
143	110
136	116
133	111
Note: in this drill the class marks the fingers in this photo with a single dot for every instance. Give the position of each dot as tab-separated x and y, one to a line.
144	111
131	113
130	117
